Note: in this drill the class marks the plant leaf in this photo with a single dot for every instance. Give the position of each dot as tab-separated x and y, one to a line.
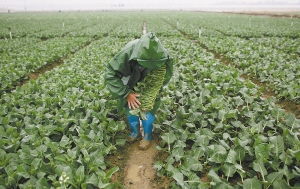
292	122
93	180
272	177
252	184
228	170
259	167
80	174
231	157
281	184
213	176
21	170
278	148
169	137
179	179
111	172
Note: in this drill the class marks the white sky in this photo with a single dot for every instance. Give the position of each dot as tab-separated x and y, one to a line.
114	4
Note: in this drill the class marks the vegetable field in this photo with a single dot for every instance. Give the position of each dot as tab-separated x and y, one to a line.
56	131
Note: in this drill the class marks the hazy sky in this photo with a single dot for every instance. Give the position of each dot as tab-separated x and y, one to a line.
113	4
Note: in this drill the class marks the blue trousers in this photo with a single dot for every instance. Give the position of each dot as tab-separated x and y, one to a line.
134	124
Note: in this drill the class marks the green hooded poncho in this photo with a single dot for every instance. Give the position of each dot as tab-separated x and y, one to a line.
146	51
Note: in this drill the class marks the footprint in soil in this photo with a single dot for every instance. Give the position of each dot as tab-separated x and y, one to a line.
136	166
139	169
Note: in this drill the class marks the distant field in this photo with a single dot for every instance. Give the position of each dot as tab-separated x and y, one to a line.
272	12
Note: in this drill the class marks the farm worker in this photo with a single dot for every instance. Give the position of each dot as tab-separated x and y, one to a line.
126	69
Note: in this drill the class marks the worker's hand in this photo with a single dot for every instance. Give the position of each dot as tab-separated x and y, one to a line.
133	102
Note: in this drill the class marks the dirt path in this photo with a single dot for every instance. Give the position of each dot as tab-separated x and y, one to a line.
139	169
139	172
136	166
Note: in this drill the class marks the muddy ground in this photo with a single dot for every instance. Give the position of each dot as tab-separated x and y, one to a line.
136	166
266	14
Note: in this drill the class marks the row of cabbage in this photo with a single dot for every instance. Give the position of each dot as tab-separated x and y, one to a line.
288	45
239	25
274	32
25	55
281	71
270	60
215	124
55	28
19	62
8	46
56	131
46	25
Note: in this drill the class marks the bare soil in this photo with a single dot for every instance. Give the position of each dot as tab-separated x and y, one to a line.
267	14
136	166
35	75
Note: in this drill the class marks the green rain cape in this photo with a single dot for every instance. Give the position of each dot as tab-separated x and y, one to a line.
146	51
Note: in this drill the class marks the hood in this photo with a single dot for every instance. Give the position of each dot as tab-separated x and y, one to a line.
149	52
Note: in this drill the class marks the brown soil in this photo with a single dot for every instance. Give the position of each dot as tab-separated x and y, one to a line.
35	75
288	105
205	178
136	166
266	14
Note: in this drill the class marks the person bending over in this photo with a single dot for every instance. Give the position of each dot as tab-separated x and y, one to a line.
135	77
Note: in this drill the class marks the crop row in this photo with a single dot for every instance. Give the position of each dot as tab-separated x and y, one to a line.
274	32
255	56
50	25
18	63
280	70
62	122
284	44
11	45
215	124
22	56
238	25
45	25
291	46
